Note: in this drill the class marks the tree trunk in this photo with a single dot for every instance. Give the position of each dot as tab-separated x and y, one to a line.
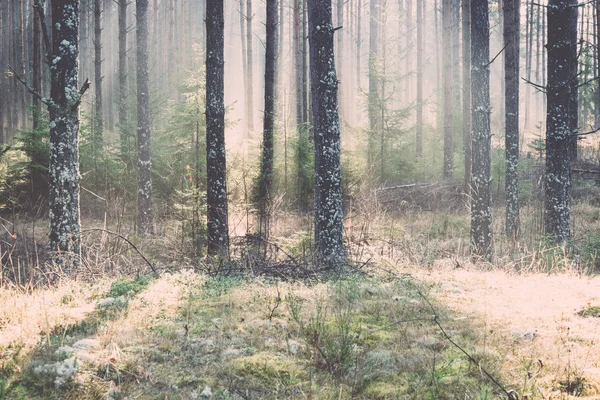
447	76
419	127
37	69
481	211
144	175
249	61
408	53
216	177
562	68
512	26
373	103
324	84
466	98
573	85
98	117
64	132
266	173
247	99
125	146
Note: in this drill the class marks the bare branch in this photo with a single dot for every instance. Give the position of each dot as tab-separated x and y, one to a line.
27	86
84	88
496	56
40	9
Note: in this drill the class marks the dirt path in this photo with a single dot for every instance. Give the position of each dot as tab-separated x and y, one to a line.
531	320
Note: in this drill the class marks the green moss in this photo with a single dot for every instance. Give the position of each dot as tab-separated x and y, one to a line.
589	311
270	369
128	287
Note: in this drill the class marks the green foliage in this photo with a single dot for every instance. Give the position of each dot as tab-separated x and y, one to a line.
219	285
128	287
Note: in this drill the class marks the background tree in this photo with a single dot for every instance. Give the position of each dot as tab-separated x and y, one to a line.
481	211
328	188
144	164
447	76
512	26
216	196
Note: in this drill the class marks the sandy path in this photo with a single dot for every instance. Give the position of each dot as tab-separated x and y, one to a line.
529	318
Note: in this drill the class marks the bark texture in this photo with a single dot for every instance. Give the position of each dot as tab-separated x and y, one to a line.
144	164
216	178
448	89
481	211
324	85
562	70
512	23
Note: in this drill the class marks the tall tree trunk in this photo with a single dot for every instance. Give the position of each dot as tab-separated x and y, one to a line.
512	38
98	117
64	132
37	68
408	53
216	166
573	85
419	127
144	164
125	146
249	71
562	68
324	84
339	55
481	211
373	79
466	98
447	76
266	173
528	60
247	93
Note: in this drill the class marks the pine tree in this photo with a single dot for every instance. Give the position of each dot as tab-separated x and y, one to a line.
324	84
144	164
448	89
216	196
481	211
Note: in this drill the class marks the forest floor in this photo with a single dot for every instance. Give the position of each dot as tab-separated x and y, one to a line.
420	321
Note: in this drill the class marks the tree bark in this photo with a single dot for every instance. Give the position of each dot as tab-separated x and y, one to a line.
216	177
249	71
373	102
266	178
98	117
481	211
512	39
447	76
125	146
562	68
324	84
144	164
419	127
466	98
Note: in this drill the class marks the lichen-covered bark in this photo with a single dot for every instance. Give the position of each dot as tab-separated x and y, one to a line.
481	211
512	18
144	164
64	131
324	84
266	173
448	86
216	178
562	69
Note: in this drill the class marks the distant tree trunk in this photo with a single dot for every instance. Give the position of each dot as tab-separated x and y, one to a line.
340	53
64	132
373	102
359	43
123	134
408	53
466	98
247	99
266	173
596	62
20	61
216	177
481	211
502	57
538	32
562	68
98	118
419	127
328	189
447	77
573	84
298	62
512	26
37	70
528	59
145	211
249	71
456	75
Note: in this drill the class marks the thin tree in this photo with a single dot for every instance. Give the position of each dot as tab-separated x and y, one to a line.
373	99
37	69
324	84
512	26
266	173
98	117
481	211
419	130
466	98
448	88
216	177
144	164
562	69
124	137
249	71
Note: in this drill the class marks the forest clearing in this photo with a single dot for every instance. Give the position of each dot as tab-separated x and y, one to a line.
303	199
